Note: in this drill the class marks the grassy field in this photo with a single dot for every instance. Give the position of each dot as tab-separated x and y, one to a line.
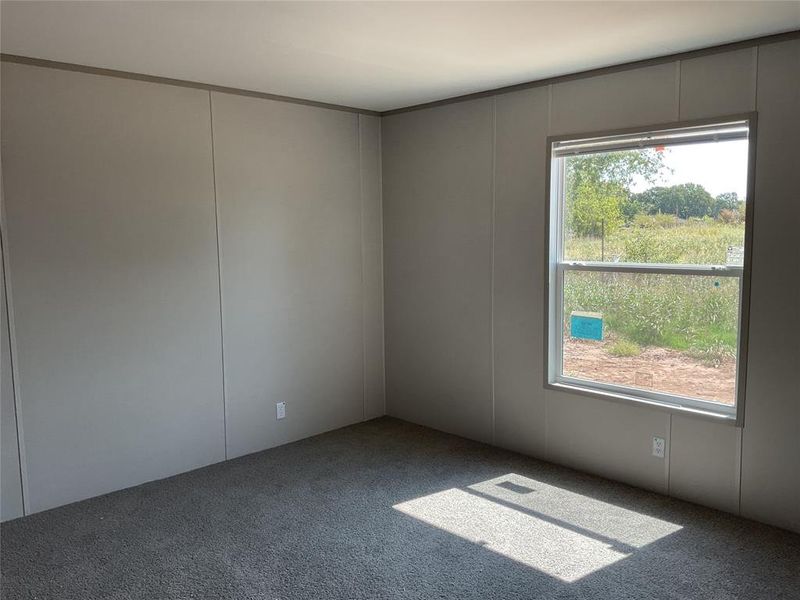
657	239
697	315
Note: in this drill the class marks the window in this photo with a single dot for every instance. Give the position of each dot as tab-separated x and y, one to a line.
648	254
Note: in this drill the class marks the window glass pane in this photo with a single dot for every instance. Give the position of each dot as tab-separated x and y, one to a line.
682	204
674	334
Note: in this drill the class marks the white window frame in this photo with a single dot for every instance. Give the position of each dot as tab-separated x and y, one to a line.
670	134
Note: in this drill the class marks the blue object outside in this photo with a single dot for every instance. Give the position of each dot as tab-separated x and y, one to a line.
586	326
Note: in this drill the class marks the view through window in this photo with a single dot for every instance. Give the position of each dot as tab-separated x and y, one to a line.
647	263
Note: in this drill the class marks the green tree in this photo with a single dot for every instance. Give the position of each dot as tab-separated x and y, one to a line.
621	167
630	208
684	200
725	201
597	208
597	188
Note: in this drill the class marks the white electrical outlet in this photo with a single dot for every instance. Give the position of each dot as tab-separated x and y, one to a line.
659	445
280	409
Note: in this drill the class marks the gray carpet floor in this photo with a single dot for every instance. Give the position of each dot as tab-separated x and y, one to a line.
386	509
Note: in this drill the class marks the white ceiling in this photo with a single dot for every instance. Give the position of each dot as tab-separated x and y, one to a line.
375	55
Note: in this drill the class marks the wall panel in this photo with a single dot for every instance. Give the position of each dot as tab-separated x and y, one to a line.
437	175
10	479
111	240
519	231
718	84
289	201
642	96
704	462
607	438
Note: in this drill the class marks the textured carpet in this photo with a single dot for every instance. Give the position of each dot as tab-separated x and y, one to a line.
386	509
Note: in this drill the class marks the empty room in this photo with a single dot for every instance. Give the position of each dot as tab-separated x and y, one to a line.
400	300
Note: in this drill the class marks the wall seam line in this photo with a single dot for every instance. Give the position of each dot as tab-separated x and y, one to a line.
669	457
359	151
739	473
491	258
383	280
12	347
678	68
755	78
219	281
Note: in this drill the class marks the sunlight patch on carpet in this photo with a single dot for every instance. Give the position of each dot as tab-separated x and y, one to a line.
558	532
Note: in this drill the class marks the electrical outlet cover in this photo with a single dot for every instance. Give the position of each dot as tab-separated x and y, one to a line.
659	446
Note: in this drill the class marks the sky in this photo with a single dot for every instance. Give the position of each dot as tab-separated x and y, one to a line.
717	166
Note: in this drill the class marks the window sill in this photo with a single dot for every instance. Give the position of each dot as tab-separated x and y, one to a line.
729	418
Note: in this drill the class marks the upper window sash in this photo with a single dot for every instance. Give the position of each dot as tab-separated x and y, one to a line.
736	130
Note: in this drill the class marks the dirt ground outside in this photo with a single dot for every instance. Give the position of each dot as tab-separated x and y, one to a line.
659	369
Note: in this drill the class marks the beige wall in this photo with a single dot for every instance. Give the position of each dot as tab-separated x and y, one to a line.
288	190
10	476
770	488
114	191
138	241
437	180
464	205
109	200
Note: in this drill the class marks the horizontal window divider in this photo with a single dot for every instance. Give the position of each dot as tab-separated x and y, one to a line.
656	268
